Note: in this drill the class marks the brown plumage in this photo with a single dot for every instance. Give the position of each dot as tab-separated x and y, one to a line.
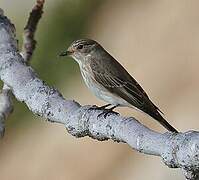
109	81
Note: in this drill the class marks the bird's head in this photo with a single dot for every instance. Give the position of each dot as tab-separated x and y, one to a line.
81	49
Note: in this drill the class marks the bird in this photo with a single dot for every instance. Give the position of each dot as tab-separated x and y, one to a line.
109	80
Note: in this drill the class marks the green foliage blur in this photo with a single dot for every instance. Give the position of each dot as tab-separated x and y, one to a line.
66	22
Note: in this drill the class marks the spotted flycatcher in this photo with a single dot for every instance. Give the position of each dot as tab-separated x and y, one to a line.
109	81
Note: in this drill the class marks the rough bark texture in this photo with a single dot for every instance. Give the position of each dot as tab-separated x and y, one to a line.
29	43
176	150
6	107
28	47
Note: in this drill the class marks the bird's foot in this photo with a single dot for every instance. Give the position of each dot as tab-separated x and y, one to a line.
106	112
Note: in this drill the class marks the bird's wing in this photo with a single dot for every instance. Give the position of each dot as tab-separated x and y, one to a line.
128	90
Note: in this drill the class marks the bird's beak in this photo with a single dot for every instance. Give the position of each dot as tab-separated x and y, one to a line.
65	53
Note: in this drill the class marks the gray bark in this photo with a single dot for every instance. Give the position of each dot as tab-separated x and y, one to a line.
28	47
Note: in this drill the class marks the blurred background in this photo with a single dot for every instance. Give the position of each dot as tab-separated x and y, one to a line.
157	42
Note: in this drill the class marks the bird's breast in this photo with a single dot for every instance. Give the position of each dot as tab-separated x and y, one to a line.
98	90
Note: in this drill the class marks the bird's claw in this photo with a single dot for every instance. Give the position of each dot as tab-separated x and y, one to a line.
94	107
106	112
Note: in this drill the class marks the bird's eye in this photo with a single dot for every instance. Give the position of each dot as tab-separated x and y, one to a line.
80	46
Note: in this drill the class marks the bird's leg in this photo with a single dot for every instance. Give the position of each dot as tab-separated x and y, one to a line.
111	109
99	108
104	107
108	111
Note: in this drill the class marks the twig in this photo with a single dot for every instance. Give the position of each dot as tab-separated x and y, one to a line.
29	43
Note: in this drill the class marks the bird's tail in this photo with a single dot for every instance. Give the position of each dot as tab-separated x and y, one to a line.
164	123
157	116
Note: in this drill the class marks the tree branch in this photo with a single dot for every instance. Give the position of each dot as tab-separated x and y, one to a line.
29	43
28	47
6	107
6	104
176	150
